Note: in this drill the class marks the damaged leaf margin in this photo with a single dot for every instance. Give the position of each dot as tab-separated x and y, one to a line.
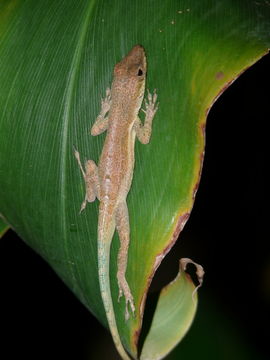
177	302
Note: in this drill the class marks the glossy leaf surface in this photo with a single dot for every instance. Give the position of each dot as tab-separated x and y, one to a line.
56	60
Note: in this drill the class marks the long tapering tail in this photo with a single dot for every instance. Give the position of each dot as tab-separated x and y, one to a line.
104	245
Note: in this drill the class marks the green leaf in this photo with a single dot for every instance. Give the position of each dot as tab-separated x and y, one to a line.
223	340
174	303
56	60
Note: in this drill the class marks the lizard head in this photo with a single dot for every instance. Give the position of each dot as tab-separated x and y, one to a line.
131	71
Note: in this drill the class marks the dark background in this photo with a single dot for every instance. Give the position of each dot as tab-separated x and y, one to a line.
227	233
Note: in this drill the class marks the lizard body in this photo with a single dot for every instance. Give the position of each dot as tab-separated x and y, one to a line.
111	180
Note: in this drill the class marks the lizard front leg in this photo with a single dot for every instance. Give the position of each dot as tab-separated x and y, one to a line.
143	131
122	226
90	175
101	123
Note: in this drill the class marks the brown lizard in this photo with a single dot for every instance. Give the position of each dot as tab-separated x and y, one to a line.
110	181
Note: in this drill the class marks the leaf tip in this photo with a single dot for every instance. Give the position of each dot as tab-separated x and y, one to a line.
199	272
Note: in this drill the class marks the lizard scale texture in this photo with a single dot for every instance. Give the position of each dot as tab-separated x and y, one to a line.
111	180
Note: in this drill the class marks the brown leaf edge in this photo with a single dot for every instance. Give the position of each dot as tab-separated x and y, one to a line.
183	218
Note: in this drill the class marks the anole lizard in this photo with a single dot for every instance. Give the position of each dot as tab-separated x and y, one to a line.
110	181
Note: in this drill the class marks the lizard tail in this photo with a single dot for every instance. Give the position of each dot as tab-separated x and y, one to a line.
104	245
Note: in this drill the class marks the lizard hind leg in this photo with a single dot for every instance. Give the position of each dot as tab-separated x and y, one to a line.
90	175
122	226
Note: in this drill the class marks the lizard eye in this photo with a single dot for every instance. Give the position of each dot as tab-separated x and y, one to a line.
140	72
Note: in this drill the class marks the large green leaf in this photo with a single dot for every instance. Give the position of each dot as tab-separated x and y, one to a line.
56	60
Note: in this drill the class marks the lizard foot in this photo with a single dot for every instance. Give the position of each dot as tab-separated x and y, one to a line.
124	289
151	105
106	102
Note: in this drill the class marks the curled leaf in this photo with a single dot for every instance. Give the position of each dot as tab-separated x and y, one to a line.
174	313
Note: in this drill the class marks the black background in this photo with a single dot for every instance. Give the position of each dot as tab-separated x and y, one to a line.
227	233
